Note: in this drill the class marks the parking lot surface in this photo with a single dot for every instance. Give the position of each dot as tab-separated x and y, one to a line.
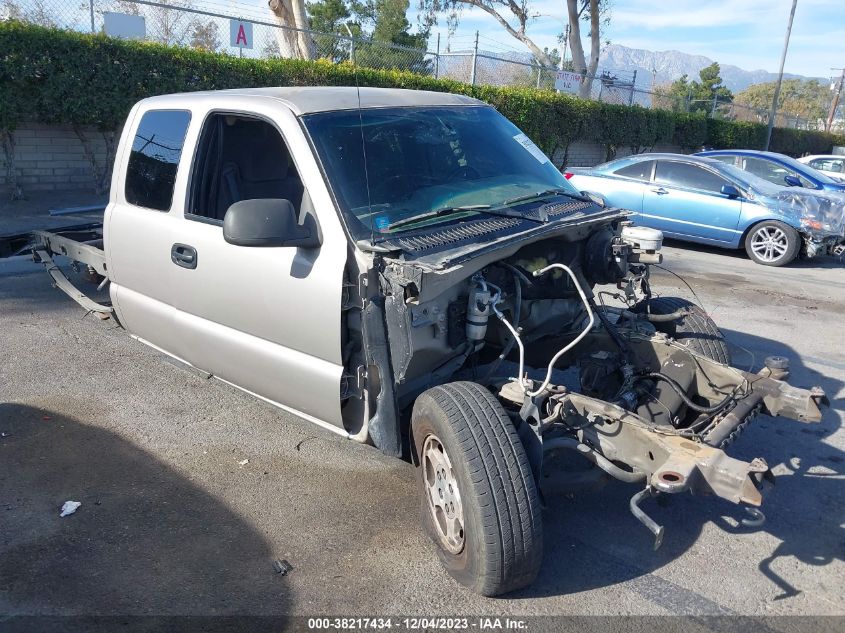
190	489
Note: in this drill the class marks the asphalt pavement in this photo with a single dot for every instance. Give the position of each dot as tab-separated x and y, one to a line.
191	490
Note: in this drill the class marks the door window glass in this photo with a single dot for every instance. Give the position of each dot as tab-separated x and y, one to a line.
154	159
241	158
638	171
679	174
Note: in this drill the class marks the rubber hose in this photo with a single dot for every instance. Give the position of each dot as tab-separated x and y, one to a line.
680	391
517	310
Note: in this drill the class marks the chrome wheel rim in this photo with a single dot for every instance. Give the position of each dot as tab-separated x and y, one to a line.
769	243
442	495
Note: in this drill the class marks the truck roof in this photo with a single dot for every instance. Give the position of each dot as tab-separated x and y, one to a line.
306	100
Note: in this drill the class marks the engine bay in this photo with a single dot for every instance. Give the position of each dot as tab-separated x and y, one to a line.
586	361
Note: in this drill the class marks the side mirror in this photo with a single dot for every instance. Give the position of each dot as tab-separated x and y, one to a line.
730	191
269	222
792	181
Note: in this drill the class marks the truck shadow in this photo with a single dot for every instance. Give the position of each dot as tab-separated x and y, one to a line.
593	541
145	542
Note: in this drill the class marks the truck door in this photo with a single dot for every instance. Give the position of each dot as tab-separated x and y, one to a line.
265	319
139	222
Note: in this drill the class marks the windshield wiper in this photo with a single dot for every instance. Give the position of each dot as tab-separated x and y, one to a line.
481	208
437	213
541	194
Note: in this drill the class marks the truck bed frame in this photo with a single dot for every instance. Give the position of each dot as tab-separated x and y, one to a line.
45	244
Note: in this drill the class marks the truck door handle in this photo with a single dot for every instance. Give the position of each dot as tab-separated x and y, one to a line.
660	191
184	255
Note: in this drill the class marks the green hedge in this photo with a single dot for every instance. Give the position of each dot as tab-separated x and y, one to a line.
65	77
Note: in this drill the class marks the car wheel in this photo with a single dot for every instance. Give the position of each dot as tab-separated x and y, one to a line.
696	330
772	243
479	501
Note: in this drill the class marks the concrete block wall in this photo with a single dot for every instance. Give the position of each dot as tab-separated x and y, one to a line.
583	154
52	157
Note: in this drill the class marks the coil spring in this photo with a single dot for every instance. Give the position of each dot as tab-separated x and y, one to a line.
741	426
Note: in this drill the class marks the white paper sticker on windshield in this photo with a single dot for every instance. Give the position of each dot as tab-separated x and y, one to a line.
528	144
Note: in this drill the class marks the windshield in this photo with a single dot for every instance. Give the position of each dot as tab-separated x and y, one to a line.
422	160
803	168
757	185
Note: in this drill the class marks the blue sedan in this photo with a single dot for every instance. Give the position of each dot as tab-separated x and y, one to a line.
776	168
705	200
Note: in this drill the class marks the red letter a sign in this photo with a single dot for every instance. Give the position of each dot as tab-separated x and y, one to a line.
240	33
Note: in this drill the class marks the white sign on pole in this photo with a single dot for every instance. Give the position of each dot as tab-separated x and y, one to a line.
566	81
240	34
129	27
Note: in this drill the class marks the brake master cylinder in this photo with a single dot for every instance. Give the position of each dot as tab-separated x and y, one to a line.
478	313
645	243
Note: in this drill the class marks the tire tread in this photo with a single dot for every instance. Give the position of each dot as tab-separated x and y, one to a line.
503	484
696	330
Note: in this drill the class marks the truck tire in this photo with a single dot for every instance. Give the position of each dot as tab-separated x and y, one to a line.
772	243
696	330
479	501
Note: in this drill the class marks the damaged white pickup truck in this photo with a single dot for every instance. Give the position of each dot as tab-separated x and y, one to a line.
409	270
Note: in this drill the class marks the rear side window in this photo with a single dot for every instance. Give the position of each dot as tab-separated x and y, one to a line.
638	171
686	175
154	159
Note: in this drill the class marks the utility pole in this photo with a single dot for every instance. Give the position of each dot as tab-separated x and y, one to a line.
780	77
474	60
633	83
835	103
565	45
437	58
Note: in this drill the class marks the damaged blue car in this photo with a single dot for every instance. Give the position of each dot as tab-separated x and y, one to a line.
705	200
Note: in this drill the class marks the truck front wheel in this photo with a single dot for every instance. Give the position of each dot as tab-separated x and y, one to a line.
480	503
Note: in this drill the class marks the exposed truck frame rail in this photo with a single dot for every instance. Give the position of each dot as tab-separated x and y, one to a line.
46	244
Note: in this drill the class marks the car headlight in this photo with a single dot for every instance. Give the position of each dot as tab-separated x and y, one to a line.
815	225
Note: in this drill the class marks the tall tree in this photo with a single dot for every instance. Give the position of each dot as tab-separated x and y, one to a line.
807	99
206	36
381	22
697	95
11	10
512	15
292	43
515	15
333	17
589	9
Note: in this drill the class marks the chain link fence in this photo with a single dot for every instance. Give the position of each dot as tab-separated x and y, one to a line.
207	24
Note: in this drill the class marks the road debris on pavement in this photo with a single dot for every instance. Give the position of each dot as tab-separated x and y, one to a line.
282	567
69	507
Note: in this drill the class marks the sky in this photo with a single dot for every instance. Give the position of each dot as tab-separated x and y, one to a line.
745	33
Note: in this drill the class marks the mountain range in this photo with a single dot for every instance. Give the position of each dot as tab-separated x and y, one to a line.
670	65
620	61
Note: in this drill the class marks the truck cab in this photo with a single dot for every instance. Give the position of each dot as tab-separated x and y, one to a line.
244	315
